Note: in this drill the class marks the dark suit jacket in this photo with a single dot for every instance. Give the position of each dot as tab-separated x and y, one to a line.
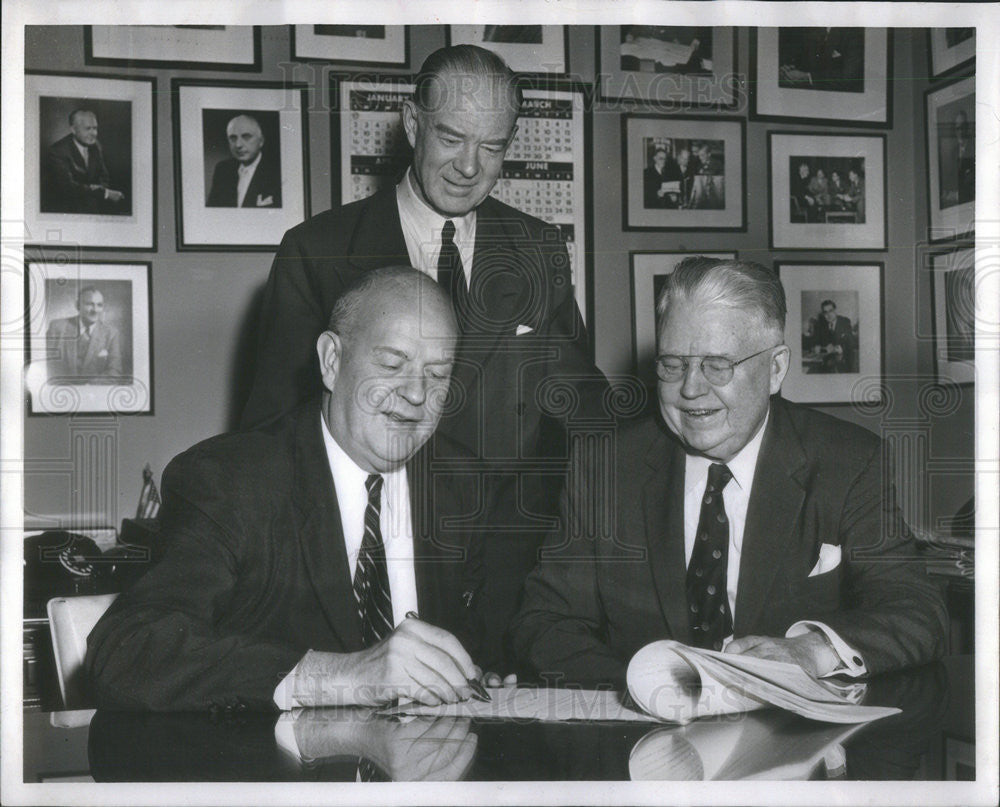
594	601
256	573
514	395
103	357
69	184
264	189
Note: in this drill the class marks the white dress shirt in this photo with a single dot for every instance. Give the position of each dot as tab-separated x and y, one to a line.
244	178
422	228
736	497
397	535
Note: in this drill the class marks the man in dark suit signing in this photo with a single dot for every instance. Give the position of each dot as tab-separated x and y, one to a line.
298	555
739	520
523	373
250	178
76	177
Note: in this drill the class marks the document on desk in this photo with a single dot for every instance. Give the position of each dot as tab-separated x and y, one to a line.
528	703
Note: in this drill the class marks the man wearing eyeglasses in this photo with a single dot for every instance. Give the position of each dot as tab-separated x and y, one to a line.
736	520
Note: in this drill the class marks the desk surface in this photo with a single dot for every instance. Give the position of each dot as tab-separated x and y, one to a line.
930	739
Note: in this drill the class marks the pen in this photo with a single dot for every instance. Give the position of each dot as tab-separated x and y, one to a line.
479	692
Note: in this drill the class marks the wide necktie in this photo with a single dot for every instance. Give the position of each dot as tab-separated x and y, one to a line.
451	274
709	616
371	577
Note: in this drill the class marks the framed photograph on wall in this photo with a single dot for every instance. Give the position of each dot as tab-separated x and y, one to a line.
951	158
648	270
683	173
674	67
834	76
834	331
241	163
827	191
525	48
951	49
90	168
191	47
953	293
387	45
90	338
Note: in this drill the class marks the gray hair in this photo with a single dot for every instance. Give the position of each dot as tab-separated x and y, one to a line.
403	281
720	281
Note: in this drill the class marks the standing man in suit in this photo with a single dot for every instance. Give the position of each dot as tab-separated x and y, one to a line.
84	349
250	178
662	170
523	373
834	338
741	521
297	554
76	177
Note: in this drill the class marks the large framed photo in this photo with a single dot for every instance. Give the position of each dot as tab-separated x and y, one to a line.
240	155
648	271
834	332
827	191
90	168
953	292
90	338
951	49
837	76
672	67
683	173
192	47
352	44
525	48
951	158
543	172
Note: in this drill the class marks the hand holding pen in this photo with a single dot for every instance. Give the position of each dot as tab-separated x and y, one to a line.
478	691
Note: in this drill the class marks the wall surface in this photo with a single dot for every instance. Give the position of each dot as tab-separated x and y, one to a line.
204	303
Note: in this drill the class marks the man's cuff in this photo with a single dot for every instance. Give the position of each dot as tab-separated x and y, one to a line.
284	697
851	662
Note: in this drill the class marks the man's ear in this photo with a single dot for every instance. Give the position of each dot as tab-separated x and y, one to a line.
329	347
779	367
410	113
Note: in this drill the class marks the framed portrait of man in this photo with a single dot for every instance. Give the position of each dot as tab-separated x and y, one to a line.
90	344
90	168
192	47
953	295
241	163
951	158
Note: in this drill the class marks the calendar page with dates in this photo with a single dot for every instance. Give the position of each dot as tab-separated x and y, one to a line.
543	174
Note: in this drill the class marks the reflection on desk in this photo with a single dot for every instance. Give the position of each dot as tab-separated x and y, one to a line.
329	744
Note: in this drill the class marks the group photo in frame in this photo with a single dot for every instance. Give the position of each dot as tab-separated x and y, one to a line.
827	191
675	67
90	168
836	76
386	45
536	49
951	49
953	296
683	173
190	47
90	339
834	330
647	273
951	158
241	163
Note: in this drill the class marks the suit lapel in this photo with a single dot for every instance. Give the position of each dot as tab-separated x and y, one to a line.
663	508
775	504
319	529
378	237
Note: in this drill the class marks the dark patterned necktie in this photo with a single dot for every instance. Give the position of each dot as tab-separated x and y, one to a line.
451	275
371	577
708	601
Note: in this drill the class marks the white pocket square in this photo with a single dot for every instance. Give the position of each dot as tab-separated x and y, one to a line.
523	329
264	201
103	354
829	559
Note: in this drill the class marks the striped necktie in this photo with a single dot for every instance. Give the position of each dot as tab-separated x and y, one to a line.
371	577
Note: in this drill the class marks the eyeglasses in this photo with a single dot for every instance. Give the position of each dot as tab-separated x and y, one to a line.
718	370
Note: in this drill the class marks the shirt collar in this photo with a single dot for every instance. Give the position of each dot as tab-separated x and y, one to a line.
742	466
411	206
84	150
249	167
346	473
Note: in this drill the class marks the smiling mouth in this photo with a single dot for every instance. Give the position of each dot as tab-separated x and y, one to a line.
699	414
